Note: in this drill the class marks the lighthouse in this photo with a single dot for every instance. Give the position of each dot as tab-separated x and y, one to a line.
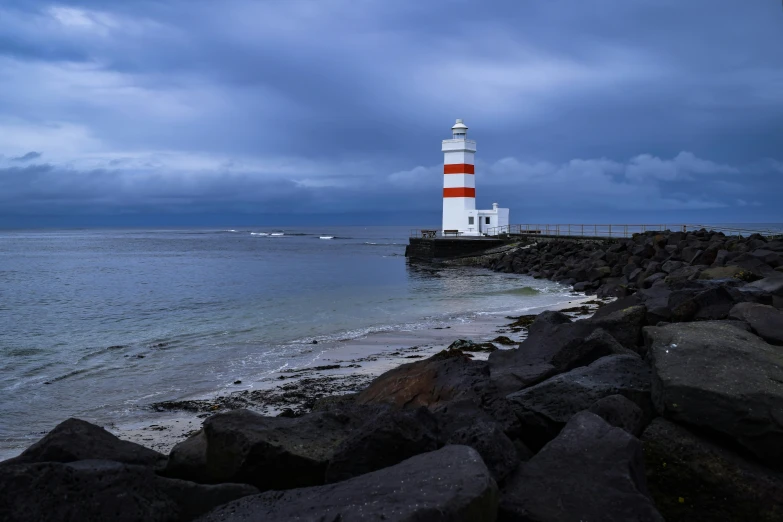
460	217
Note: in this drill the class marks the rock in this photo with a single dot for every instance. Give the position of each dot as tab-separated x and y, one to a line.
267	452
721	272
700	305
772	285
385	439
671	266
620	412
544	408
104	490
584	286
591	471
753	267
502	339
715	484
442	378
624	325
75	439
715	376
451	484
619	304
599	273
553	346
765	321
685	273
769	257
463	423
189	459
651	280
612	290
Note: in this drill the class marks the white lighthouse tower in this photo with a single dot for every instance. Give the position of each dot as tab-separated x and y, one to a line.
460	217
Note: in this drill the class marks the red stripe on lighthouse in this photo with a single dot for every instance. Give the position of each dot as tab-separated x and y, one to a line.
461	192
459	168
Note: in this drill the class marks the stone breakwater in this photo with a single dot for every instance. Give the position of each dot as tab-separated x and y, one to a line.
666	404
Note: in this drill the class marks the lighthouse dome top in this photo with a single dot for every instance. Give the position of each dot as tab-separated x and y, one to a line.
459	125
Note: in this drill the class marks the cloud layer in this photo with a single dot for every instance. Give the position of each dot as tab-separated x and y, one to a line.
610	110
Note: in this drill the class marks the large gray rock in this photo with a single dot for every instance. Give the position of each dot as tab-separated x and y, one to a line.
771	285
590	472
620	412
267	452
544	408
97	490
555	344
625	325
463	423
386	438
75	439
765	321
716	376
694	480
448	485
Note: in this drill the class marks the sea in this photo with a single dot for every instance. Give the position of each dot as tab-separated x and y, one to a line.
100	323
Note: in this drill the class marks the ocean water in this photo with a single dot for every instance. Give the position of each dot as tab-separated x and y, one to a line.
98	324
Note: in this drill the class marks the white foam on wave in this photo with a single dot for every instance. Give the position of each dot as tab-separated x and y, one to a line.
326	237
277	234
230	231
259	234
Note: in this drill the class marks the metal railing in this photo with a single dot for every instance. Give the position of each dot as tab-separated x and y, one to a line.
612	230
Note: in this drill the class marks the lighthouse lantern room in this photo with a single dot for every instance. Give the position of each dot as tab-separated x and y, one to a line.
460	216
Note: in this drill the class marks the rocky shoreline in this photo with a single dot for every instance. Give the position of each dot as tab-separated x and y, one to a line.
665	404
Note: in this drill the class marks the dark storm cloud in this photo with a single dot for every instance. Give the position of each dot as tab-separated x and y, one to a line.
335	105
28	157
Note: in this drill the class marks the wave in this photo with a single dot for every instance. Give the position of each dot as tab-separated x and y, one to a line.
326	237
525	290
369	243
259	233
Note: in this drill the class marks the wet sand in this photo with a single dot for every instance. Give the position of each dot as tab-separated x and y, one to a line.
342	368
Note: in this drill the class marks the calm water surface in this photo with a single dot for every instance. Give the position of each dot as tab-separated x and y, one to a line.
99	323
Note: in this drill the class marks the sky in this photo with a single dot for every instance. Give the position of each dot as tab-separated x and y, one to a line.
197	112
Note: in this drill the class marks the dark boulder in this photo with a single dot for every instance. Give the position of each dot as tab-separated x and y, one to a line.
75	439
267	452
463	423
554	346
385	439
620	412
718	377
442	378
771	285
448	485
624	325
694	480
765	321
591	471
469	346
544	409
98	490
722	272
685	273
700	305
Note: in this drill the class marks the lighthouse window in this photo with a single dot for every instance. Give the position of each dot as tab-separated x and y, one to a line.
470	220
487	221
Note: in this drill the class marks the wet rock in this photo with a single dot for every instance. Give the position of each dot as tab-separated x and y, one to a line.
620	412
502	339
451	484
75	439
765	321
385	439
189	459
591	471
470	346
715	376
694	480
544	409
696	304
105	490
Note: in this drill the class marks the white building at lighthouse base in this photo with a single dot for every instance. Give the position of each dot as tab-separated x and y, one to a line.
460	217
